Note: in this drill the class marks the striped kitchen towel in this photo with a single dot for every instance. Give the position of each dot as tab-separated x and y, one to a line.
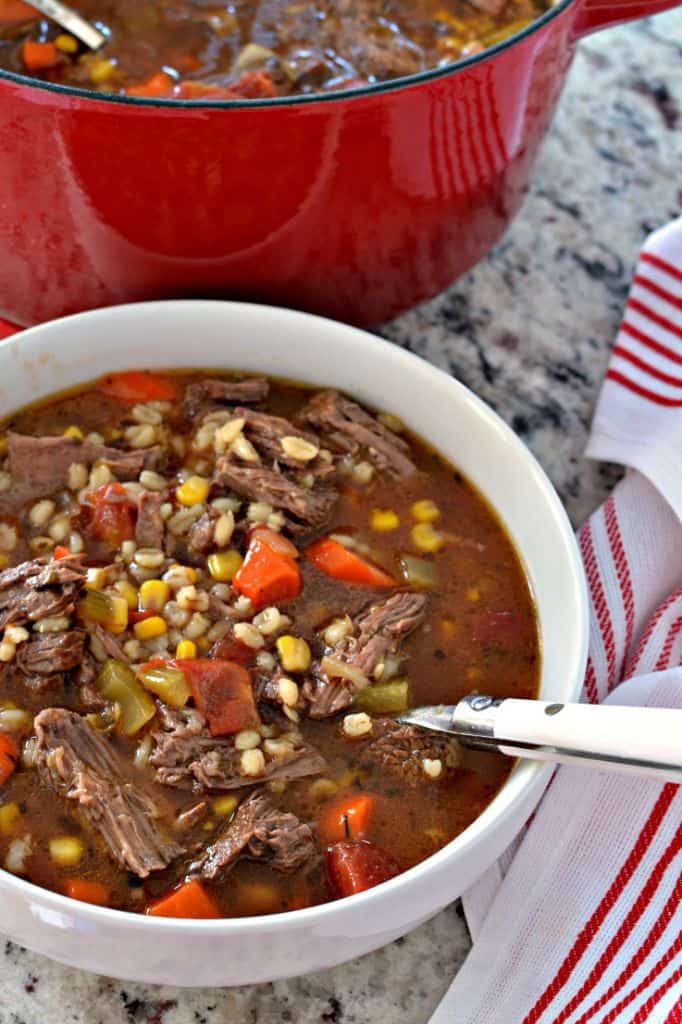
581	921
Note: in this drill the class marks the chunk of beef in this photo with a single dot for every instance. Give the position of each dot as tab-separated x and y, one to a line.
310	508
258	831
266	432
39	589
84	681
200	534
111	644
350	428
186	756
402	749
79	764
378	632
149	526
205	393
40	465
389	55
48	653
193	816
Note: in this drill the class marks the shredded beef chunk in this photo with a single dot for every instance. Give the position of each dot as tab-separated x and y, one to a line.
40	465
40	589
310	508
378	632
266	433
149	527
200	535
350	428
47	653
206	393
258	831
186	756
110	644
80	765
402	750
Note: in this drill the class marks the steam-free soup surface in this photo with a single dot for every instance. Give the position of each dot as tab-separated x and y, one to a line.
216	594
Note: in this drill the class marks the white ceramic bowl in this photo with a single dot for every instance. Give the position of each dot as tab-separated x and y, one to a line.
77	349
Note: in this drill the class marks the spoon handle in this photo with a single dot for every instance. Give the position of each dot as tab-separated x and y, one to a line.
70	20
642	741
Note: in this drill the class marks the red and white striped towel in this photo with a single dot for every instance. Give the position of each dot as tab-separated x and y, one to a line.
581	921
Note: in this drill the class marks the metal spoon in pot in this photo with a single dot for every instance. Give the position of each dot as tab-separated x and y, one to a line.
641	741
71	21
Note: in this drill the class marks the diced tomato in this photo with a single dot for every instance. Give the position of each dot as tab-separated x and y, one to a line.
155	87
140	615
266	576
60	552
87	892
9	756
39	56
358	865
252	85
496	627
113	517
277	541
347	818
139	386
222	691
189	900
337	561
231	649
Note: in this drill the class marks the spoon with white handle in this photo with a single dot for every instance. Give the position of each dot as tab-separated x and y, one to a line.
641	741
71	21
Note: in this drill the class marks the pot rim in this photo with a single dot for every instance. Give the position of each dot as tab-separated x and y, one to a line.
392	85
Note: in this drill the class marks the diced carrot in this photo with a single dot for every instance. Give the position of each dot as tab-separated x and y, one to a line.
113	518
155	87
60	552
9	756
223	693
139	386
189	900
267	576
347	818
335	560
14	11
39	56
253	85
356	866
87	892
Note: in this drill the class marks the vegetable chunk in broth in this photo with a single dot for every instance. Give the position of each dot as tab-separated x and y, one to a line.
193	49
215	595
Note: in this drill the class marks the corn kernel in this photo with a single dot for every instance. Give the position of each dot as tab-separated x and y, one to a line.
224	806
186	649
3	444
154	594
10	816
294	653
203	643
425	538
193	491
449	627
66	851
383	520
474	673
66	44
149	628
473	594
425	511
100	70
74	431
127	592
224	565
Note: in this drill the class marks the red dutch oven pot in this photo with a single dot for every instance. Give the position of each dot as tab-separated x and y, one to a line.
356	204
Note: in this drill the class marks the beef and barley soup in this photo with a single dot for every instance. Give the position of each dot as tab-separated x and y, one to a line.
216	594
254	49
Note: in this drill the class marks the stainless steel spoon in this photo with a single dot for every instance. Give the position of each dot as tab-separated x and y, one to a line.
641	741
71	21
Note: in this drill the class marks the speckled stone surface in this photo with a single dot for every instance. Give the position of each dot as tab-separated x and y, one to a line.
529	330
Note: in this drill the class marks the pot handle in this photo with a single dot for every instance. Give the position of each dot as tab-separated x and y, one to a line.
595	14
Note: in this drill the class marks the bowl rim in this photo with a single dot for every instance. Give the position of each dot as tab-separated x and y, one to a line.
525	776
375	88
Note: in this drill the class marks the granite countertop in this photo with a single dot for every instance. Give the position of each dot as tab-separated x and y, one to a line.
529	330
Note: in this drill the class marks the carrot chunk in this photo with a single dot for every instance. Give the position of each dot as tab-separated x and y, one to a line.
9	756
139	385
267	576
13	11
87	892
39	56
189	900
222	691
347	818
60	552
335	560
155	87
355	866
